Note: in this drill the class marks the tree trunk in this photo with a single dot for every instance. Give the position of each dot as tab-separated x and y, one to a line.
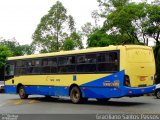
57	37
57	43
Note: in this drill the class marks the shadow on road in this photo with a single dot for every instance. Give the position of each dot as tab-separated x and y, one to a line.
89	102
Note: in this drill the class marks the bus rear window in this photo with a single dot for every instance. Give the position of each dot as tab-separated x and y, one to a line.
139	55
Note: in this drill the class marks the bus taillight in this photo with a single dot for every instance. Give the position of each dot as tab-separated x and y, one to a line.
126	81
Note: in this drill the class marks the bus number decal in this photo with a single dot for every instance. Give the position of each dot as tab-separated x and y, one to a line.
111	84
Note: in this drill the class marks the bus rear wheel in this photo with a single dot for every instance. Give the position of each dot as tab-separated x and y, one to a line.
22	93
75	95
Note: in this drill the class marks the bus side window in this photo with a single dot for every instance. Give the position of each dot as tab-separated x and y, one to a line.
53	63
9	70
45	68
113	57
108	62
66	64
34	66
86	63
81	59
71	60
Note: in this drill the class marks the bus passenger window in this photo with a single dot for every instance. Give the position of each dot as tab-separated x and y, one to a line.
66	64
52	62
71	60
62	60
37	62
91	58
113	56
20	63
101	57
9	70
86	63
44	62
81	59
34	66
108	62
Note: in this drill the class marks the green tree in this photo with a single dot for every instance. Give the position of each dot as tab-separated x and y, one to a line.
4	52
16	48
139	21
152	26
87	29
134	22
26	49
73	41
98	38
68	44
127	21
53	29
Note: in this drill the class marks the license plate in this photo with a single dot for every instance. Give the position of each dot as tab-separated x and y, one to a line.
142	78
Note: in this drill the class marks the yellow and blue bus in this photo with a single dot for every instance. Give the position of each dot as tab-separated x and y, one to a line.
101	73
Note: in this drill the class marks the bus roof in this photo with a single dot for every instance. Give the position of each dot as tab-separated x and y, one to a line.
88	50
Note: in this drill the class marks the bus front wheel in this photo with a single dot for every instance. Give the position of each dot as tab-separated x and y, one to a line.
22	93
75	95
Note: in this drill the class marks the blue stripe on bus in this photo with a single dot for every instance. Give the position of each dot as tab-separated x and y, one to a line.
97	88
40	90
93	90
48	90
10	89
112	78
88	92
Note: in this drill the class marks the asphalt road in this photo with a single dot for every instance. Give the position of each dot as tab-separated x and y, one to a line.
12	104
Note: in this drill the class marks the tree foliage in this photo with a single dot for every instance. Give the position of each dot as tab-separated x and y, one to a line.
54	28
10	48
17	49
73	41
140	21
4	52
127	22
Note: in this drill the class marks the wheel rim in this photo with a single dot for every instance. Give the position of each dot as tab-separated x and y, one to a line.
158	94
21	92
75	95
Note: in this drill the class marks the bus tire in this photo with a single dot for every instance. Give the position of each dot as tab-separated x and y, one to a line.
157	93
76	95
22	93
103	100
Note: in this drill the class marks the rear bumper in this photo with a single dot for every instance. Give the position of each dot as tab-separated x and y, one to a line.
97	92
128	91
